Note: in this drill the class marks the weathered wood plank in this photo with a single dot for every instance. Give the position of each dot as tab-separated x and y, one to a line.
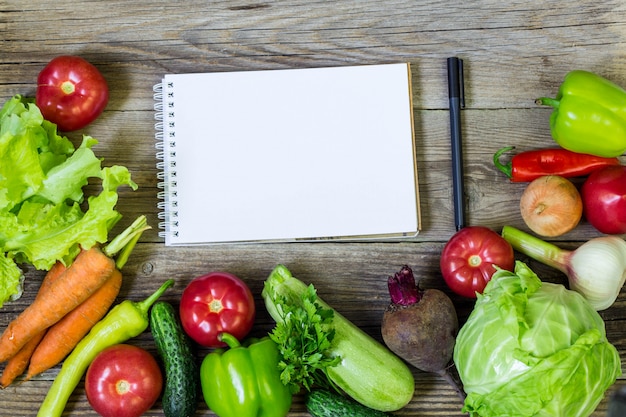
513	51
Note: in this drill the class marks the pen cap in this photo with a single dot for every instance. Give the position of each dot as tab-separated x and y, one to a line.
455	79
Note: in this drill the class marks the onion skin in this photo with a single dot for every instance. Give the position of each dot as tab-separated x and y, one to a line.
551	206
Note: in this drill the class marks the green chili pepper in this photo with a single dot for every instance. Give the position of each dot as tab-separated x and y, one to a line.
126	320
244	380
589	115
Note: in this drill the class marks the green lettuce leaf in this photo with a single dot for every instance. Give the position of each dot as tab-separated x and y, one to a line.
10	284
66	180
531	348
43	214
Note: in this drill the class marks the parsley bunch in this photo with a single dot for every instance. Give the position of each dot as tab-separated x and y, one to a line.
304	338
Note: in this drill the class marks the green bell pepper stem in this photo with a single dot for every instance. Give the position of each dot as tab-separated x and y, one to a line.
540	250
126	320
548	101
229	339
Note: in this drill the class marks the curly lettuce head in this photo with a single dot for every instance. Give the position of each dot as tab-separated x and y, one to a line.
531	348
42	175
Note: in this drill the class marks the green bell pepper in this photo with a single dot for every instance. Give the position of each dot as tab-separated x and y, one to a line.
244	380
589	115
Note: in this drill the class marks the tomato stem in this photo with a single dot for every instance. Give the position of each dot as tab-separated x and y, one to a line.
122	387
215	306
475	261
68	87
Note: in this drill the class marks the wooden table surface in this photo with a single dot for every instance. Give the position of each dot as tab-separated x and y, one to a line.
514	52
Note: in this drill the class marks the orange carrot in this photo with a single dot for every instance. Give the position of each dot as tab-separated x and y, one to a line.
63	336
83	277
18	363
55	272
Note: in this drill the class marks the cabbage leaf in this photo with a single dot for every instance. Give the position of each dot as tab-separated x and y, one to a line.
44	215
532	348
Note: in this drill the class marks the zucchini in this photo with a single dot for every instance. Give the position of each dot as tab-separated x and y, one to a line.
180	393
325	403
368	371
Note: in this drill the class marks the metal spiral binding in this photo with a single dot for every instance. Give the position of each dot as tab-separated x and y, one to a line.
166	160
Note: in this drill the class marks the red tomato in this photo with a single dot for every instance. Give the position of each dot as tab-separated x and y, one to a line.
215	303
123	381
604	199
71	92
468	259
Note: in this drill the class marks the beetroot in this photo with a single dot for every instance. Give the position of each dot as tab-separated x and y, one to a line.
421	326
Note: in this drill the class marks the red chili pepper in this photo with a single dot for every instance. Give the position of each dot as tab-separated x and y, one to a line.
529	165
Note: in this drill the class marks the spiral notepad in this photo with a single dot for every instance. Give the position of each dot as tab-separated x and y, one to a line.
283	155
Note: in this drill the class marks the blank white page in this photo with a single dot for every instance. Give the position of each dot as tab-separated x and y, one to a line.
290	154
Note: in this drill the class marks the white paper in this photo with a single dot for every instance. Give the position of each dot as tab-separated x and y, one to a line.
293	154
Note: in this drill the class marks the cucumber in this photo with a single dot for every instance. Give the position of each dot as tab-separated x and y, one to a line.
324	403
180	394
368	371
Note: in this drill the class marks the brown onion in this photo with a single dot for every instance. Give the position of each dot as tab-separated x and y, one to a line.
551	206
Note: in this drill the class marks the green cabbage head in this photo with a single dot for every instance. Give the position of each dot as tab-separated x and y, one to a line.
532	348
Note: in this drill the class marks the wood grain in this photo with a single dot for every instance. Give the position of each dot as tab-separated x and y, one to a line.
514	52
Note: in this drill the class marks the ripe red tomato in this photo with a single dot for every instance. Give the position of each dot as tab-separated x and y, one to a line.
71	92
215	303
468	259
604	199
123	381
